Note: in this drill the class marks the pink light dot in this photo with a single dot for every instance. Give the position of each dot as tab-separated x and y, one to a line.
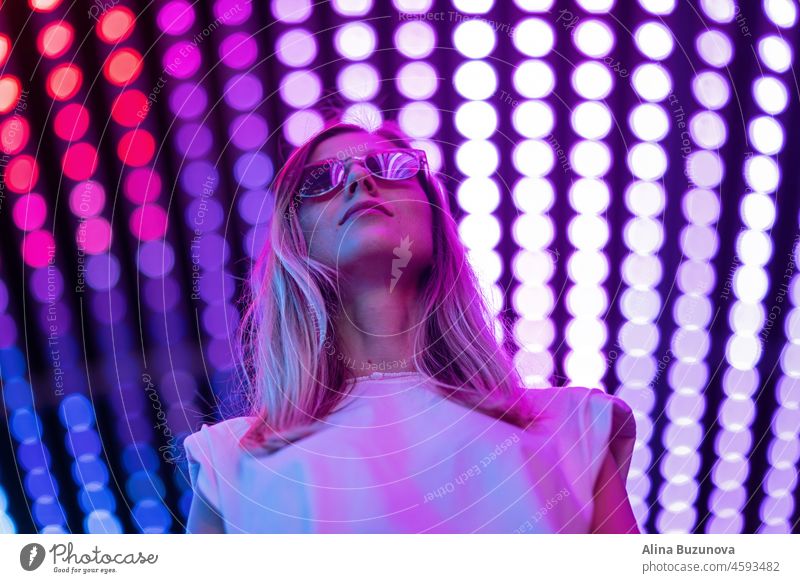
37	248
30	211
87	199
148	222
142	185
93	236
80	161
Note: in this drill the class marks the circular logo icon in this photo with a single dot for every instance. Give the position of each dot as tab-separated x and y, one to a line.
31	556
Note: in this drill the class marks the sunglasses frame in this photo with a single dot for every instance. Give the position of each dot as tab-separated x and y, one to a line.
417	152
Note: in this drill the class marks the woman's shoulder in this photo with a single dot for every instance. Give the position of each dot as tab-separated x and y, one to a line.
558	403
221	436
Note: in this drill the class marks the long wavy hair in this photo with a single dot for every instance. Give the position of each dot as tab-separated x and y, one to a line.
292	380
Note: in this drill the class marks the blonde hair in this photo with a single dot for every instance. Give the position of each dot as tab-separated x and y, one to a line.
292	382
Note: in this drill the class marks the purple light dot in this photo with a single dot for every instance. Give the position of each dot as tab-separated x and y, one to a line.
214	251
156	258
255	240
102	271
109	307
232	11
248	131
182	60
8	331
220	320
219	354
256	206
161	295
253	170
188	100
47	286
3	297
204	214
194	140
30	212
238	51
243	92
56	317
175	17
199	178
217	287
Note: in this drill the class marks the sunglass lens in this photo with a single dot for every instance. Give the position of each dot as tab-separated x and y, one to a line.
393	165
320	179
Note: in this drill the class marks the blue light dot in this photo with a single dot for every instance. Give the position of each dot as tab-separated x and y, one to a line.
102	522
89	469
143	485
152	517
25	425
76	411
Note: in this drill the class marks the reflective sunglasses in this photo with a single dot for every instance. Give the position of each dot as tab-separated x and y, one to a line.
320	178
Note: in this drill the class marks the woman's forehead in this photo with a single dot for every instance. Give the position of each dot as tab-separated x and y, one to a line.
349	144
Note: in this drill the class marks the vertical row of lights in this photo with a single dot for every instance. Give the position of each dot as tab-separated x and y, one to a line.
415	40
477	157
195	157
30	213
645	199
590	158
296	48
356	41
533	194
79	163
700	136
136	149
749	284
767	135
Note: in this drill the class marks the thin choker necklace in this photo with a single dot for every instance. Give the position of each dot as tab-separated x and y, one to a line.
377	375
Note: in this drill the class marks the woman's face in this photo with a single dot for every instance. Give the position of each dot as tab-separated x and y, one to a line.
383	244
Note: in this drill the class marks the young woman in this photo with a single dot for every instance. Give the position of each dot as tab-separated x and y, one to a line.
380	398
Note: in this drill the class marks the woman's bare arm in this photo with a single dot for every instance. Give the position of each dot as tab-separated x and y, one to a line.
612	509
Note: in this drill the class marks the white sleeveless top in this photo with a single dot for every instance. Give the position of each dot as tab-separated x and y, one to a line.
396	457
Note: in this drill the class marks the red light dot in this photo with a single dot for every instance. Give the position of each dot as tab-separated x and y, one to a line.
129	108
148	222
71	122
93	236
14	134
80	161
55	39
123	66
136	148
30	211
5	47
116	25
22	173
10	89
37	248
64	81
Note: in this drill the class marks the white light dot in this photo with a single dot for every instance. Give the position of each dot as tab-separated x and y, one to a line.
708	130
355	40
477	158
534	79
776	53
652	82
770	95
715	48
592	80
533	119
533	37
711	89
781	12
474	39
415	39
475	80
762	174
649	122
594	38
654	40
476	120
647	161
591	120
766	134
590	159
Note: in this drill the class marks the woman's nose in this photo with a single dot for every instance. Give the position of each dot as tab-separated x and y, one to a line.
356	175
